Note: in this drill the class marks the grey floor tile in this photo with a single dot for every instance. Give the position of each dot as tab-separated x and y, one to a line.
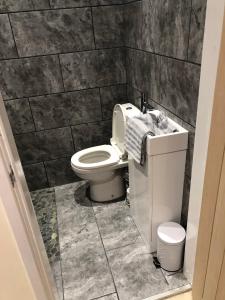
45	208
109	297
135	276
115	224
175	280
57	273
85	270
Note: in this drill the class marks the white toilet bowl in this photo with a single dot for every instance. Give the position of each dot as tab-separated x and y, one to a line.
102	165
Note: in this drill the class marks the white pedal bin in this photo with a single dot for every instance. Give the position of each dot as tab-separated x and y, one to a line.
170	245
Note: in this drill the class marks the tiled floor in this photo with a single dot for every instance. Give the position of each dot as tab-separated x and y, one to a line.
95	249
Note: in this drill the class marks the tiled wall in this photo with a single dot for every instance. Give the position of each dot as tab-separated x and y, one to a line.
164	46
65	63
61	72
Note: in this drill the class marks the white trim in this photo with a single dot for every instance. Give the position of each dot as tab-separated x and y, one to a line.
21	217
212	40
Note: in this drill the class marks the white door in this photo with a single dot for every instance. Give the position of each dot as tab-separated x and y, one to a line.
20	212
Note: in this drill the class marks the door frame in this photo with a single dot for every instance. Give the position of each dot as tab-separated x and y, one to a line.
204	196
208	94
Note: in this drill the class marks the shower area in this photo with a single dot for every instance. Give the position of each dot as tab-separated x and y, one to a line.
63	67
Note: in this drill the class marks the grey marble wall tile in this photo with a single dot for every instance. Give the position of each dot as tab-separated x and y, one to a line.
115	225
179	88
7	45
69	3
110	96
19	114
134	273
53	31
159	26
197	30
143	72
134	96
65	109
59	172
133	18
82	3
30	77
44	145
35	176
109	26
40	4
173	31
91	69
20	5
92	134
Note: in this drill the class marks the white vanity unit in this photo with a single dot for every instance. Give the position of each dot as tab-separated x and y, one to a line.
156	189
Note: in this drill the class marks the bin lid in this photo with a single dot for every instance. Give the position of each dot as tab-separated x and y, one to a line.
171	233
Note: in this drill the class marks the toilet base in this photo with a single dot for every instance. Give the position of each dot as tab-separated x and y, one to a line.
109	190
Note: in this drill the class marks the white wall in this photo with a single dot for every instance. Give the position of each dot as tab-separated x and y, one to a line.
212	39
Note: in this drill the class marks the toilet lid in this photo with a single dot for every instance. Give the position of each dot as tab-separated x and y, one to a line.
171	233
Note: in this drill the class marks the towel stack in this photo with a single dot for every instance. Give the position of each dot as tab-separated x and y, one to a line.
138	127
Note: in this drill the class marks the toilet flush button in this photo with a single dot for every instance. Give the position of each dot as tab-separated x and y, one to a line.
129	107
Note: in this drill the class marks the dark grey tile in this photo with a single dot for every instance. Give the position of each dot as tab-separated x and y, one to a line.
19	114
20	5
69	3
172	20
110	96
179	88
82	3
134	96
53	31
185	204
45	145
159	26
197	30
92	134
81	247
35	176
7	45
40	4
143	72
70	108
59	172
133	18
30	77
115	224
109	26
93	68
134	273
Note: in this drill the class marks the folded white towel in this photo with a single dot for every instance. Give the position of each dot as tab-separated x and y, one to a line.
135	130
154	122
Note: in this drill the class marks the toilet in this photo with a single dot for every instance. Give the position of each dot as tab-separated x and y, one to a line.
102	165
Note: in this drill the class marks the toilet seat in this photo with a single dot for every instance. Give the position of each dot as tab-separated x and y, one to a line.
95	158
